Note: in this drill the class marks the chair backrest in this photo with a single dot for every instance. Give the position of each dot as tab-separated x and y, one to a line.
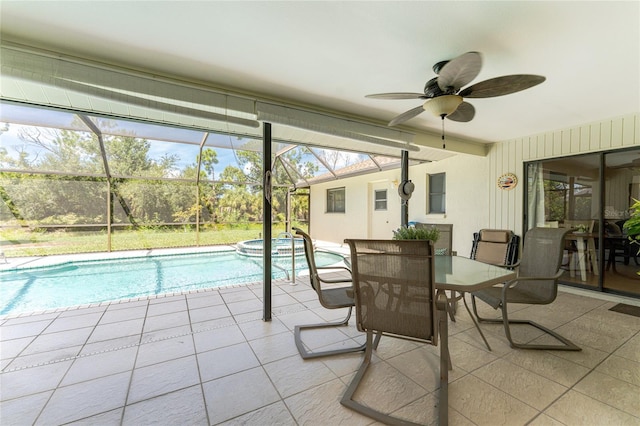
541	257
311	261
495	246
394	286
444	244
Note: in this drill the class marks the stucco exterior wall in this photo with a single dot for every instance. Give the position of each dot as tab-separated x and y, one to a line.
467	204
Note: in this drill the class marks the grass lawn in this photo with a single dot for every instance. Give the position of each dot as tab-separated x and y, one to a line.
22	242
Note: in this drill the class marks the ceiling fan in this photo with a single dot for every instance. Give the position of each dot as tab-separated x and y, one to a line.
445	97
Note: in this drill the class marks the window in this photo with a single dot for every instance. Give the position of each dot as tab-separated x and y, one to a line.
436	184
335	200
380	202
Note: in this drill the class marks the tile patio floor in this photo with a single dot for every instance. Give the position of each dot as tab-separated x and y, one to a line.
207	358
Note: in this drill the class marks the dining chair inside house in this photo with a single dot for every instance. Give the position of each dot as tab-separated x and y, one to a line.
618	246
395	295
572	248
536	284
334	288
497	247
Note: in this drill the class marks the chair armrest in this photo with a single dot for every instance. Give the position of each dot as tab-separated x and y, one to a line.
514	281
333	280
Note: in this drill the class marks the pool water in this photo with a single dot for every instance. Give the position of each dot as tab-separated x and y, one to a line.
85	282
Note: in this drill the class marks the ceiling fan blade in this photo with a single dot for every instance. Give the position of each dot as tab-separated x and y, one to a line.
398	95
500	86
465	112
459	71
406	115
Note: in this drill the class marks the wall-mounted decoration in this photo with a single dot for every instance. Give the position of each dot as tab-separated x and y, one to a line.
507	181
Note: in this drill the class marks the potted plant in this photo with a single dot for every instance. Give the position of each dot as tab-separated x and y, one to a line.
632	226
412	233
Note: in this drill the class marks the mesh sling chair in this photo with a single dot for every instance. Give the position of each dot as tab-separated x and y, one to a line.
497	247
536	284
395	295
336	297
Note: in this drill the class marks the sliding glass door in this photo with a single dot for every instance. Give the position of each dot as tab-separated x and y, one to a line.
590	195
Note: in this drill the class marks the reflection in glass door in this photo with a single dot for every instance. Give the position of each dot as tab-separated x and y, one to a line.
621	186
589	194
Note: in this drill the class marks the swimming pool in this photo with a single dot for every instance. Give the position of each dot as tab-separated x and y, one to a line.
86	282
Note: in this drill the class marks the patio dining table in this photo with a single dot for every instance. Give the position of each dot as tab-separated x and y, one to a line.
460	274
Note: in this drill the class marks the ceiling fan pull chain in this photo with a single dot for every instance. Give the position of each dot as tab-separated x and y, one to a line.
443	144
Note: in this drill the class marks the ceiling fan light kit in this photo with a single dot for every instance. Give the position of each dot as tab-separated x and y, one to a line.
443	105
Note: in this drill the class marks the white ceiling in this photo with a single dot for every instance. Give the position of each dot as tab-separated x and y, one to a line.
329	55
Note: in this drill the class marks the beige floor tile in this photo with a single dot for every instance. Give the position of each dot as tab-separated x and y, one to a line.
203	299
42	358
112	417
274	414
73	322
293	374
484	404
424	411
15	384
187	408
577	409
273	348
117	315
23	410
544	420
165	350
631	349
321	406
100	365
386	389
554	368
158	379
167	306
528	387
60	340
238	394
224	361
621	368
256	329
117	329
217	338
468	357
86	398
612	391
13	329
588	357
422	366
167	320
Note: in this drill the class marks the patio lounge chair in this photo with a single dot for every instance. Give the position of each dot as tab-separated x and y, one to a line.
497	247
536	284
336	297
395	295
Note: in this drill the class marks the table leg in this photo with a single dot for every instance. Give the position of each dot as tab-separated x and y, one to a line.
581	258
445	361
592	255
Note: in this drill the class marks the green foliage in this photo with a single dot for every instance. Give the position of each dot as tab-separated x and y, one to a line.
632	226
412	233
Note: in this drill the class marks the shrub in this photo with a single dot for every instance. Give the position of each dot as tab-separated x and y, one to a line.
405	233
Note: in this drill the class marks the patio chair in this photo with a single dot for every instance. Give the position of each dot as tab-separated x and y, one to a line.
536	284
395	295
334	297
497	247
